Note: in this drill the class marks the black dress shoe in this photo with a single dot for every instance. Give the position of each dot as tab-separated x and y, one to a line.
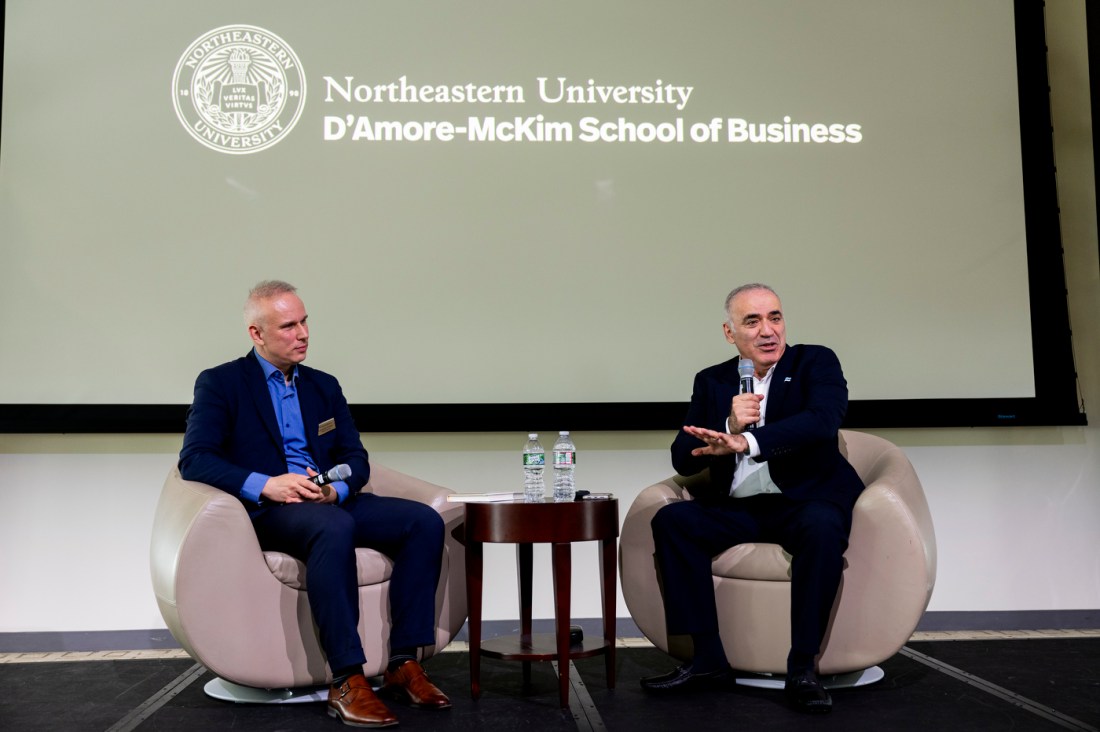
807	694
685	679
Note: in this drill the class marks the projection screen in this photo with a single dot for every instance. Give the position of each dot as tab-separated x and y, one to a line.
530	210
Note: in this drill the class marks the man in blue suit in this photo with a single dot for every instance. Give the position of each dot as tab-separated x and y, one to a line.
259	428
776	475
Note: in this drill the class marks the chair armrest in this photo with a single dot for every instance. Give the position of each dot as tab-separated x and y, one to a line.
385	481
451	605
636	569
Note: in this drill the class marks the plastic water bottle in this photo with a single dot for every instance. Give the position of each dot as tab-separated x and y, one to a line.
565	459
534	462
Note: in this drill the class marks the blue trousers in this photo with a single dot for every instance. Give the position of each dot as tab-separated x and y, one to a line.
687	536
324	537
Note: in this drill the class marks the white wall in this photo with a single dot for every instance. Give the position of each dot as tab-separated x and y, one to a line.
1016	509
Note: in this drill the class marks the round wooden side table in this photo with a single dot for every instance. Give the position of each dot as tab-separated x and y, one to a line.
558	524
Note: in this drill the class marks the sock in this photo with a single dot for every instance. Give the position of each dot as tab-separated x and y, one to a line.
799	663
400	656
342	675
709	653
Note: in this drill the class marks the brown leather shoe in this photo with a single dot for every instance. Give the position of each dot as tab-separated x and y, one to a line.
354	702
410	684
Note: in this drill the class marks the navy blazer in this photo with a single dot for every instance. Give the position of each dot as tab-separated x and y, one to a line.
806	403
232	431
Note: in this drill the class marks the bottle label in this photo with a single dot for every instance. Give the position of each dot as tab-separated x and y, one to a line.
534	458
564	458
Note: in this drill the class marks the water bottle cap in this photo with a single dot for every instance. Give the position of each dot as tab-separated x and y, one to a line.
564	433
532	435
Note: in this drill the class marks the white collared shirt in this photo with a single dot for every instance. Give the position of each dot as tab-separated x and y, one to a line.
752	477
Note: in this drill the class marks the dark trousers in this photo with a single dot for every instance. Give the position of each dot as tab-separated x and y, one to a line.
687	536
324	537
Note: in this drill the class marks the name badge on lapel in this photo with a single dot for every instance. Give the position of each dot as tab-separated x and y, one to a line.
327	426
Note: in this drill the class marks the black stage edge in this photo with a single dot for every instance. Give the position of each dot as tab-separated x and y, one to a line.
88	641
140	640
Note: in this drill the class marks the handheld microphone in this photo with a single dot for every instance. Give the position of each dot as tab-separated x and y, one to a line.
340	472
745	370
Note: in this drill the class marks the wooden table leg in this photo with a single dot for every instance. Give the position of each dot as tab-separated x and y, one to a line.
524	565
474	564
562	587
608	556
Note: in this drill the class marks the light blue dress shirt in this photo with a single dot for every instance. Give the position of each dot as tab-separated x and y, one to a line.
288	413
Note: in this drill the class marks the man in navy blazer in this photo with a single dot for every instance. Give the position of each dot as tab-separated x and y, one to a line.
259	428
776	475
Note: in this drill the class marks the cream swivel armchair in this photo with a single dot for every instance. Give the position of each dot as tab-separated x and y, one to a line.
889	572
243	613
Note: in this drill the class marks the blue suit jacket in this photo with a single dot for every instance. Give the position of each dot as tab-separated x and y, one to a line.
232	432
807	400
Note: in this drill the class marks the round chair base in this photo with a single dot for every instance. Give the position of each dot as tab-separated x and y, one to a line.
224	690
836	681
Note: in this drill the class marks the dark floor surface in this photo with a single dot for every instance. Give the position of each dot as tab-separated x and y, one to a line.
1032	685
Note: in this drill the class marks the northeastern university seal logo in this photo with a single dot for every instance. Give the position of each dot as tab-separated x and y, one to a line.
239	89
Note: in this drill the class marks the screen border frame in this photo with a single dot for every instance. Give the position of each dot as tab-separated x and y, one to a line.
1056	402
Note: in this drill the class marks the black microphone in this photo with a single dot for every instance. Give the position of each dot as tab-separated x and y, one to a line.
340	472
744	370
